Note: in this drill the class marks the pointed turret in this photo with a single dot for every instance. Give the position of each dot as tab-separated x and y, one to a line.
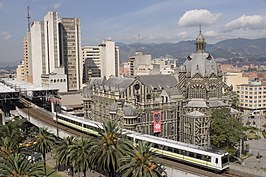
200	43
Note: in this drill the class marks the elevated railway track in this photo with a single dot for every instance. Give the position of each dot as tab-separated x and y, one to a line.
47	118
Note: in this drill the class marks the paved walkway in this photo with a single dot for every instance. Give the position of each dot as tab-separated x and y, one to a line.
51	161
257	147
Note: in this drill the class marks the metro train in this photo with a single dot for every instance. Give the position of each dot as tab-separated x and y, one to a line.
191	154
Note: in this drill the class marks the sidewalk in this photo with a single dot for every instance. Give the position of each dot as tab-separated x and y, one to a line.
52	162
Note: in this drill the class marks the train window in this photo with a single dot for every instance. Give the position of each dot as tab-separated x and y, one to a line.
183	152
170	149
207	158
190	154
216	160
224	159
130	138
156	146
198	156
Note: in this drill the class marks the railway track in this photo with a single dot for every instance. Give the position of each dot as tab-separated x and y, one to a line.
47	118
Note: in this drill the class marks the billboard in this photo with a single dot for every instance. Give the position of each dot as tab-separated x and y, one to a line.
157	122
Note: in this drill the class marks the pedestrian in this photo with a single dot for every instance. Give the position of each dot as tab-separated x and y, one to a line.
68	171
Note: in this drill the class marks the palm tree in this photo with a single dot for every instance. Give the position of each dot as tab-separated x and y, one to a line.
62	150
8	146
140	163
109	147
44	144
79	155
18	165
12	131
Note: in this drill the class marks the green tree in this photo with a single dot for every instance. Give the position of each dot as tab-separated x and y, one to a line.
226	130
140	163
62	150
79	155
8	146
12	131
17	165
235	100
44	144
109	147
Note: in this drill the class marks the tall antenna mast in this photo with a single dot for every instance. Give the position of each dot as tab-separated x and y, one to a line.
28	17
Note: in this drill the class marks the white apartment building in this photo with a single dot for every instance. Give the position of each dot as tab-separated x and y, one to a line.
140	64
20	72
56	49
102	60
252	97
38	52
166	65
55	80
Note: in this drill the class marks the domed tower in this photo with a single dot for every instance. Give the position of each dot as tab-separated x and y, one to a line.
201	83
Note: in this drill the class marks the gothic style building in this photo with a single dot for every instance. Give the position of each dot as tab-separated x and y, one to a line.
174	107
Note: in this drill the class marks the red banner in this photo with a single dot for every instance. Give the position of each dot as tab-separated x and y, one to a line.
157	122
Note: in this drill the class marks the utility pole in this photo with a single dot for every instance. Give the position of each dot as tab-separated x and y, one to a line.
28	111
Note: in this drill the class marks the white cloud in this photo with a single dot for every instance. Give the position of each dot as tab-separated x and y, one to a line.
57	5
182	34
211	34
246	22
198	16
6	35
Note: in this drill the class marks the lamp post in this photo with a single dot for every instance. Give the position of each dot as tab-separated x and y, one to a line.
28	111
57	109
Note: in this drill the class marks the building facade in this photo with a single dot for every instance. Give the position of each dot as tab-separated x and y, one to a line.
169	106
27	57
252	97
102	60
53	44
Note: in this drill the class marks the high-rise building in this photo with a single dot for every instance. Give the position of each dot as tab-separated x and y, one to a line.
54	53
27	57
38	52
102	60
70	53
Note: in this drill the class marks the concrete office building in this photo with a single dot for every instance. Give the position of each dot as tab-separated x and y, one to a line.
56	50
252	97
27	57
140	64
38	52
20	72
234	79
102	60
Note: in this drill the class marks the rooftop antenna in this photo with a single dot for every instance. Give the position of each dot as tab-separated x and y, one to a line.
139	38
200	28
28	17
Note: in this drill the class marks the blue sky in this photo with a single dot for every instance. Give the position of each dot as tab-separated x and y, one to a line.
129	21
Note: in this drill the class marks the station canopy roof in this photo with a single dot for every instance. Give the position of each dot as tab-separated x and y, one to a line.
29	90
7	93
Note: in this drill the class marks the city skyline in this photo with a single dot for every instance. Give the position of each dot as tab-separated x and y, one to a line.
139	21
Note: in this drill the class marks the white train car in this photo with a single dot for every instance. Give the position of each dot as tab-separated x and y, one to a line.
195	155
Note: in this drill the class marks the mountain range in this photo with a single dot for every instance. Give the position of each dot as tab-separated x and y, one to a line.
240	48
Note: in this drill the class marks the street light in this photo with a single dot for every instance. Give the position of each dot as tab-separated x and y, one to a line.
28	111
57	109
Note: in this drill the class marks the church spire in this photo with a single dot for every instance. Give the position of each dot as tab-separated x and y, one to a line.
200	42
